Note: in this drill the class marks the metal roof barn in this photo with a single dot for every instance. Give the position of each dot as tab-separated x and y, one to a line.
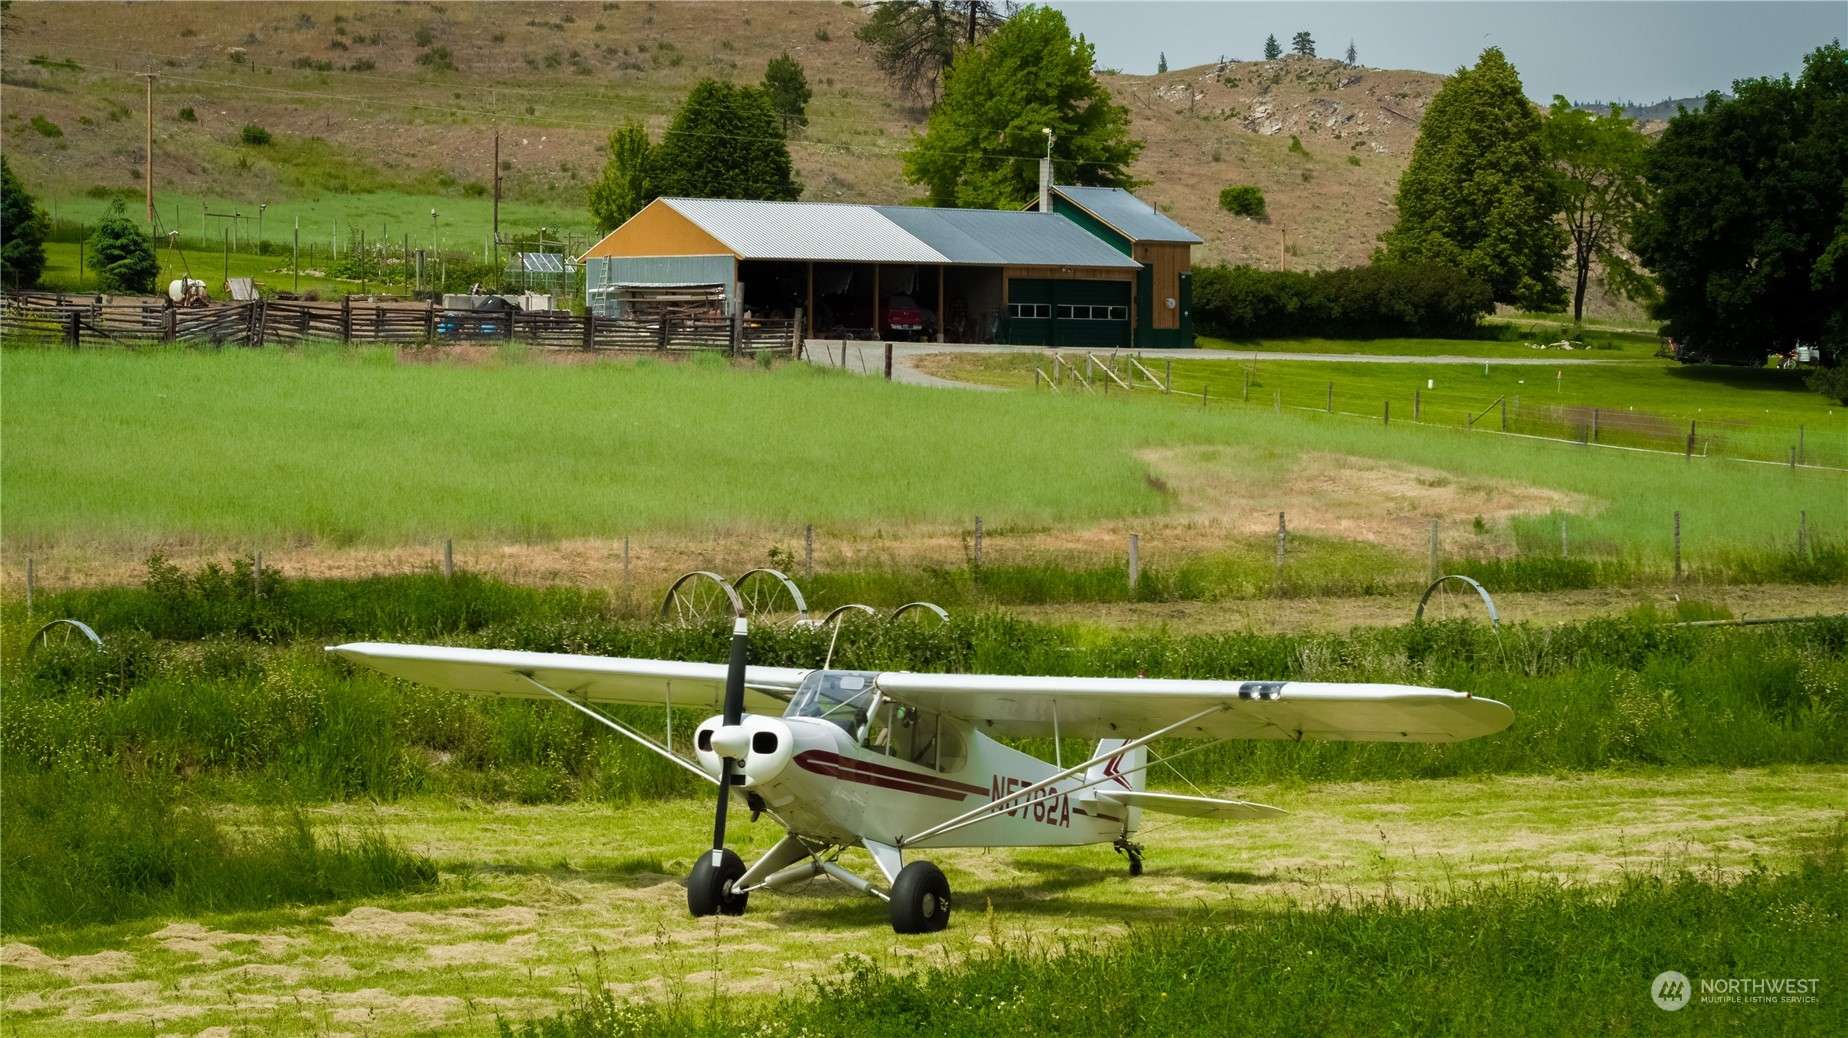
804	231
1135	219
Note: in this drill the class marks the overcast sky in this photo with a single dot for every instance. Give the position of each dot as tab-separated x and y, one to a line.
1636	51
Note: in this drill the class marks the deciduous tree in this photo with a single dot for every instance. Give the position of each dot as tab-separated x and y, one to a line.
725	142
982	145
1477	194
22	233
1747	231
124	256
625	185
1598	162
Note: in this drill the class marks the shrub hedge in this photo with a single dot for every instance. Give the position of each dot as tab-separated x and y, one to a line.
1382	299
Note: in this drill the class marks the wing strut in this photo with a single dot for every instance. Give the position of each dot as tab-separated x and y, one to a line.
618	727
995	807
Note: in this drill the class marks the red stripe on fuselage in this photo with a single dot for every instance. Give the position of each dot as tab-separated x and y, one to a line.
833	765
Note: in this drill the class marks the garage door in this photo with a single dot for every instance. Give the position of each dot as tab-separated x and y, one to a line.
1053	312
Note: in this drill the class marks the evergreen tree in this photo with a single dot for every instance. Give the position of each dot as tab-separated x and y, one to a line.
1352	57
915	41
1161	63
1477	194
982	145
22	233
1748	229
788	89
725	142
1303	45
122	254
1599	163
1272	49
625	185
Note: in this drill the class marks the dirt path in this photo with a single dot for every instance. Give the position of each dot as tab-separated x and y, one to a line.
533	900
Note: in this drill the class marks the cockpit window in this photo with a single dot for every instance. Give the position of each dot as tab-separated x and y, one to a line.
843	697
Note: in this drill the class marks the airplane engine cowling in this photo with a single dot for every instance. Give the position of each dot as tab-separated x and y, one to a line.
764	745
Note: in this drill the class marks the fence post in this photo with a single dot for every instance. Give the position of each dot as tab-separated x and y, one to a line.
449	558
1594	424
1247	396
346	319
1167	380
1803	535
1690	451
1793	461
978	542
1135	560
513	317
808	552
430	320
1677	546
1799	445
662	333
625	564
888	362
795	335
1277	402
1417	405
1563	552
1504	414
169	325
1331	398
1283	534
590	329
1204	388
737	324
1386	415
30	581
1431	553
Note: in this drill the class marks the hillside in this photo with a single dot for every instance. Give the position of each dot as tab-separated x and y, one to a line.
381	112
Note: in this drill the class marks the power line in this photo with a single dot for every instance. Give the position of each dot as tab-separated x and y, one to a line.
574	124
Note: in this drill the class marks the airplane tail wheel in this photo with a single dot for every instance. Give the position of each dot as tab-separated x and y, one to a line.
920	899
709	888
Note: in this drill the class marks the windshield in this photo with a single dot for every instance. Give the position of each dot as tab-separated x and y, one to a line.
843	697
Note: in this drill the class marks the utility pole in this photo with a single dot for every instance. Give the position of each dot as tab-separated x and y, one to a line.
149	169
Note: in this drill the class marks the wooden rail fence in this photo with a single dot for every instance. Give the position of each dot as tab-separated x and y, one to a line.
87	320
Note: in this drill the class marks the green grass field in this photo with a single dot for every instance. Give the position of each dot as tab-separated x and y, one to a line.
1605	346
463	224
242	447
272	273
1737	412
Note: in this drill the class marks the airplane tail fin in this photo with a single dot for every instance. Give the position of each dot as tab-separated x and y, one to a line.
1121	771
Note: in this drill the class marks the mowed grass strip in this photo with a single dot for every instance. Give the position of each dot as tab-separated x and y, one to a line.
349	446
1753	413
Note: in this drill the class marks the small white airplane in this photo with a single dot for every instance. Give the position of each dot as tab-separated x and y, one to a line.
898	762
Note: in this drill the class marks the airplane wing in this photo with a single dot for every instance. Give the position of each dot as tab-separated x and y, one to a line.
1193	807
1102	708
596	679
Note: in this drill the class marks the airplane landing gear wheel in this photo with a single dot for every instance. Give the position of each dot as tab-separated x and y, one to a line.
920	899
1133	851
709	888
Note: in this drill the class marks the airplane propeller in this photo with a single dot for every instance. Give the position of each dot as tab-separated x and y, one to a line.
731	742
709	888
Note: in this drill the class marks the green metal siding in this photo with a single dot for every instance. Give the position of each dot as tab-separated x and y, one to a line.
1057	331
1092	224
